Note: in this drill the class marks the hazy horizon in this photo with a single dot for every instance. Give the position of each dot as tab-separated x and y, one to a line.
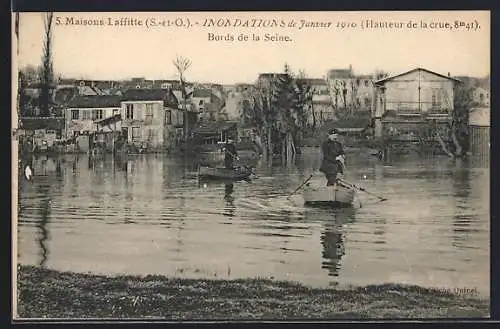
122	53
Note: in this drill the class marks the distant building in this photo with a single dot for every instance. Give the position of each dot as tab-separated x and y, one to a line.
266	79
409	102
207	103
318	86
481	97
321	110
349	90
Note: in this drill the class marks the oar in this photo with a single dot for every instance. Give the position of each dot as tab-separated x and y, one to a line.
303	183
362	189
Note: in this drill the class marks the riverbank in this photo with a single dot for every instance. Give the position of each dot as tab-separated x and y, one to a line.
52	294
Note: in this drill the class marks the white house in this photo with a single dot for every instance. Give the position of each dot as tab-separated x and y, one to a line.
83	112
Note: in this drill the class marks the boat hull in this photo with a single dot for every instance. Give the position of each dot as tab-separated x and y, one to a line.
224	174
329	196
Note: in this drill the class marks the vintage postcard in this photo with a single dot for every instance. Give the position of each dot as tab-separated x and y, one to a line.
251	165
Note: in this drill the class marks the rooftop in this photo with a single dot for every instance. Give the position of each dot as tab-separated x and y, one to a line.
414	70
165	95
95	101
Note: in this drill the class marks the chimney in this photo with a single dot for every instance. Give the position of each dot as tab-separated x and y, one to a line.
448	74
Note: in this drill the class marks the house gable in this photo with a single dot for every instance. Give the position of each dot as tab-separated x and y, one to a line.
417	74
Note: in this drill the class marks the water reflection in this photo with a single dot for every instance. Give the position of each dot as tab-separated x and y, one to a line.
332	237
43	234
150	214
228	197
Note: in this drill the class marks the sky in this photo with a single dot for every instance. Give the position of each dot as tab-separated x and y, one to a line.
121	52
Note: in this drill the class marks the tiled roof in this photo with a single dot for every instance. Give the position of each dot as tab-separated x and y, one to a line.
339	74
314	81
166	95
32	123
64	95
202	93
95	101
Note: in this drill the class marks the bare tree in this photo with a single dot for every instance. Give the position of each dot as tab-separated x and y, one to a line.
47	68
182	64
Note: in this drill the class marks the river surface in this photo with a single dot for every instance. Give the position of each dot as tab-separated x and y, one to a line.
151	215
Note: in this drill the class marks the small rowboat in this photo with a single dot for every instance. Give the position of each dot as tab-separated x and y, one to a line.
335	196
218	173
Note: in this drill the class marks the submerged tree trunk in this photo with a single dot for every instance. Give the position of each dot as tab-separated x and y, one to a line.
458	147
443	145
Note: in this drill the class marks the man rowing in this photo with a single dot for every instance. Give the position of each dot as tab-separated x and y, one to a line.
333	158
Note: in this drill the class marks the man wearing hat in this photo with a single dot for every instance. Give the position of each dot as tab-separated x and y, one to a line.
333	157
230	154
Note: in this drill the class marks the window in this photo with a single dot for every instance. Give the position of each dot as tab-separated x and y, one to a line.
436	98
85	115
129	111
201	102
180	117
149	112
136	134
97	114
168	117
75	114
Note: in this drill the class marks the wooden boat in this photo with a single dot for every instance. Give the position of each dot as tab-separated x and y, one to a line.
219	173
335	196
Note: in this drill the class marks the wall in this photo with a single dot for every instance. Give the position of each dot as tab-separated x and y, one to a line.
174	129
81	124
480	116
143	130
196	102
480	130
233	105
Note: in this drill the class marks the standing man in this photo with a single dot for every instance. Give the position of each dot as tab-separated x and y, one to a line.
333	158
230	154
257	143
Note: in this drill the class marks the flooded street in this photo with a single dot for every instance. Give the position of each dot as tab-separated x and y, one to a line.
151	215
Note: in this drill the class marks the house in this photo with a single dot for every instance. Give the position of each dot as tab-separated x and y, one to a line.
265	79
318	86
207	103
83	112
481	97
107	131
408	103
152	118
41	132
208	137
350	90
321	109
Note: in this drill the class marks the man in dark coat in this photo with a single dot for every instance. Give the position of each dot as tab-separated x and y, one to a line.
230	154
333	157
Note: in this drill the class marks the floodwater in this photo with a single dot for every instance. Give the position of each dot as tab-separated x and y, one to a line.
151	215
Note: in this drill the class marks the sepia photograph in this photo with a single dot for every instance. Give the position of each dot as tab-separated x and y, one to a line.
251	166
